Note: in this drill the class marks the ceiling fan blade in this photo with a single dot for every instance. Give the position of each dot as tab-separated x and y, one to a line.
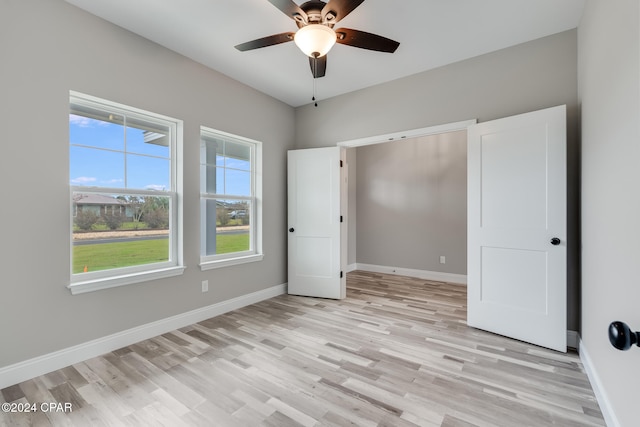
339	8
318	66
266	41
289	8
365	40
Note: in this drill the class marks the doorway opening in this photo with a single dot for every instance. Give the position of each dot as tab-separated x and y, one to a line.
406	211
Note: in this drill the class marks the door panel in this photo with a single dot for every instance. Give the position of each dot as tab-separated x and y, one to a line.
314	190
514	277
519	201
516	205
313	257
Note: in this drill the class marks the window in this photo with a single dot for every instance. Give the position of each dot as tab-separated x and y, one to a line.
125	185
230	199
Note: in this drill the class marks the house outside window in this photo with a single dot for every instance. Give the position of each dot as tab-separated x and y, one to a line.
231	205
125	187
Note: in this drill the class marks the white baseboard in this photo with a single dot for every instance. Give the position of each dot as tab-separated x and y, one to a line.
22	371
351	267
603	400
420	274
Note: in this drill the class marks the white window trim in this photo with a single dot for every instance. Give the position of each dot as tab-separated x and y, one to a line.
236	260
125	279
209	262
175	266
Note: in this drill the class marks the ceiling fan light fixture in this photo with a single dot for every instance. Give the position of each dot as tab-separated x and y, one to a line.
315	40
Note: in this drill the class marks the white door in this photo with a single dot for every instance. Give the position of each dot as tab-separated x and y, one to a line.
517	227
314	223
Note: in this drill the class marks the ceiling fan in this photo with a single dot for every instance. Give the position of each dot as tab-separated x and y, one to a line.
315	35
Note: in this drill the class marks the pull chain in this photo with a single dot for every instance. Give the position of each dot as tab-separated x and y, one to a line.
314	93
315	72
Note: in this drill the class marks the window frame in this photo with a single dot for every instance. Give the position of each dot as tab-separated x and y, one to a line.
104	279
254	254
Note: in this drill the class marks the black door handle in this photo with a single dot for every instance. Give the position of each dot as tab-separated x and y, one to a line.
555	241
622	337
291	230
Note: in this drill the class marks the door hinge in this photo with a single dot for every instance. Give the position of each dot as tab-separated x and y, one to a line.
340	163
341	274
340	218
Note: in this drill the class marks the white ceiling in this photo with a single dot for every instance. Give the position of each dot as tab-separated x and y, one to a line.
432	33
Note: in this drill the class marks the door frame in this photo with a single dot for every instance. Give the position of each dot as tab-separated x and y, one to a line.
413	133
381	139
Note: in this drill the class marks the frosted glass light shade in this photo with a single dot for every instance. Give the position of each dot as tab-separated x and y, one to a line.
315	39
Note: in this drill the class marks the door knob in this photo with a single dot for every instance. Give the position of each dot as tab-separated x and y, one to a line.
622	337
291	230
555	241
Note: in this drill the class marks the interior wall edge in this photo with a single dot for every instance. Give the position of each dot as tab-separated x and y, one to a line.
598	388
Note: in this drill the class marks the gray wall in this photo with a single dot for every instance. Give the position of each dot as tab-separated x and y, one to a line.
519	79
527	77
609	75
412	203
49	47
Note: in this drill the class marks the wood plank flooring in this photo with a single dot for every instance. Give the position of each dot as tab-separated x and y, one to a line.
395	352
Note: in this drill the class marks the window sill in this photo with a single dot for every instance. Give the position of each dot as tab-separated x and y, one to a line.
210	265
128	279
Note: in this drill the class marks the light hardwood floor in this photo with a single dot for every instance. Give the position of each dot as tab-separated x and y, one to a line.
395	352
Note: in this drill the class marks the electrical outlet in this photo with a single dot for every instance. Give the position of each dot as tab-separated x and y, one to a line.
205	286
442	259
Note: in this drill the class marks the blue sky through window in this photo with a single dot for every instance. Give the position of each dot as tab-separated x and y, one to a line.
226	167
106	154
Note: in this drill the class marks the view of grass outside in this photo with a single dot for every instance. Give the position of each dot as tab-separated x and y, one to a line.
227	243
104	256
111	232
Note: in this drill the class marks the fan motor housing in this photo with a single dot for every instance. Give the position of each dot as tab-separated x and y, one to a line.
313	9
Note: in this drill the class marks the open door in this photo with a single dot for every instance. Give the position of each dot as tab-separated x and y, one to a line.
517	253
315	223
